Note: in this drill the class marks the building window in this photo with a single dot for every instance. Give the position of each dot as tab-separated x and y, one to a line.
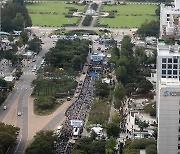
178	137
175	72
179	128
170	66
163	60
163	65
163	71
169	71
174	76
168	15
163	76
175	60
178	146
175	66
179	114
179	120
169	60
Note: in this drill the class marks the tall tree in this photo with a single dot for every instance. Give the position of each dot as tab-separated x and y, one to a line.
43	143
8	135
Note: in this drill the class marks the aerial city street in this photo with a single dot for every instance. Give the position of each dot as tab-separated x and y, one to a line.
89	77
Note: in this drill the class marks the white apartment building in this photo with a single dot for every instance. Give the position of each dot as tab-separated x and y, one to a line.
168	98
170	20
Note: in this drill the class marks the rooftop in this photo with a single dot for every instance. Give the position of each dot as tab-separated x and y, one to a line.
168	50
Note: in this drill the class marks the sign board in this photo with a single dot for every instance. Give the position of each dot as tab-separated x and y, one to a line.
76	123
168	93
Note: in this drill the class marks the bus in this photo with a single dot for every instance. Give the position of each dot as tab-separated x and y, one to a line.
75	133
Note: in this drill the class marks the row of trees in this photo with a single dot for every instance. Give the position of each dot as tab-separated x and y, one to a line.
94	6
5	87
133	146
15	16
128	68
89	145
87	20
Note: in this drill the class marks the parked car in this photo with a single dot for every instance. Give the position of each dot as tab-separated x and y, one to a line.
4	107
19	113
68	98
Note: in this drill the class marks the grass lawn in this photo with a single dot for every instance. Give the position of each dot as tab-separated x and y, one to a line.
47	111
124	17
132	9
52	7
51	20
48	18
126	21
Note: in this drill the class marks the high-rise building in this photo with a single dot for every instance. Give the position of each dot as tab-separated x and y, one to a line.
169	117
168	98
170	20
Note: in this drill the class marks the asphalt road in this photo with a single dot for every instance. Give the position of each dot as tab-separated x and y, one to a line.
21	93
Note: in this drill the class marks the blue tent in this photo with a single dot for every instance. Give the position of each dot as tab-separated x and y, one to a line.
93	74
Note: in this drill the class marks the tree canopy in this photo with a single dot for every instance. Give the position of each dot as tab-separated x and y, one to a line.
68	54
43	143
15	17
8	135
149	29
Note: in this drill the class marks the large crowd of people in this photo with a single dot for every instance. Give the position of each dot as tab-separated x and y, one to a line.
77	111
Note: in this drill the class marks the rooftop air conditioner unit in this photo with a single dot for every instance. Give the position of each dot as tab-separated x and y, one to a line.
171	49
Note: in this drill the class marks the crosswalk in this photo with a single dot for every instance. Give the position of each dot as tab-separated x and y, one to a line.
20	87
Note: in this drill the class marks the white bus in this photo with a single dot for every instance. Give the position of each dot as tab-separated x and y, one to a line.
75	133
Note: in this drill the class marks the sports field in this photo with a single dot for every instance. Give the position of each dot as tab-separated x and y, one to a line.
51	14
130	15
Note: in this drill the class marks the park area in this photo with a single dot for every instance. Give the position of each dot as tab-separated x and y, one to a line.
52	14
128	16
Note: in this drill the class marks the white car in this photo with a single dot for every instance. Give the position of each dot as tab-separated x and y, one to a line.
4	107
19	113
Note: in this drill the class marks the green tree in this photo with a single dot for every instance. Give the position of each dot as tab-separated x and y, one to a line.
113	129
151	149
146	29
10	37
119	95
43	143
145	86
19	1
77	63
8	135
18	22
121	72
20	42
157	11
110	145
24	36
15	17
102	90
35	45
